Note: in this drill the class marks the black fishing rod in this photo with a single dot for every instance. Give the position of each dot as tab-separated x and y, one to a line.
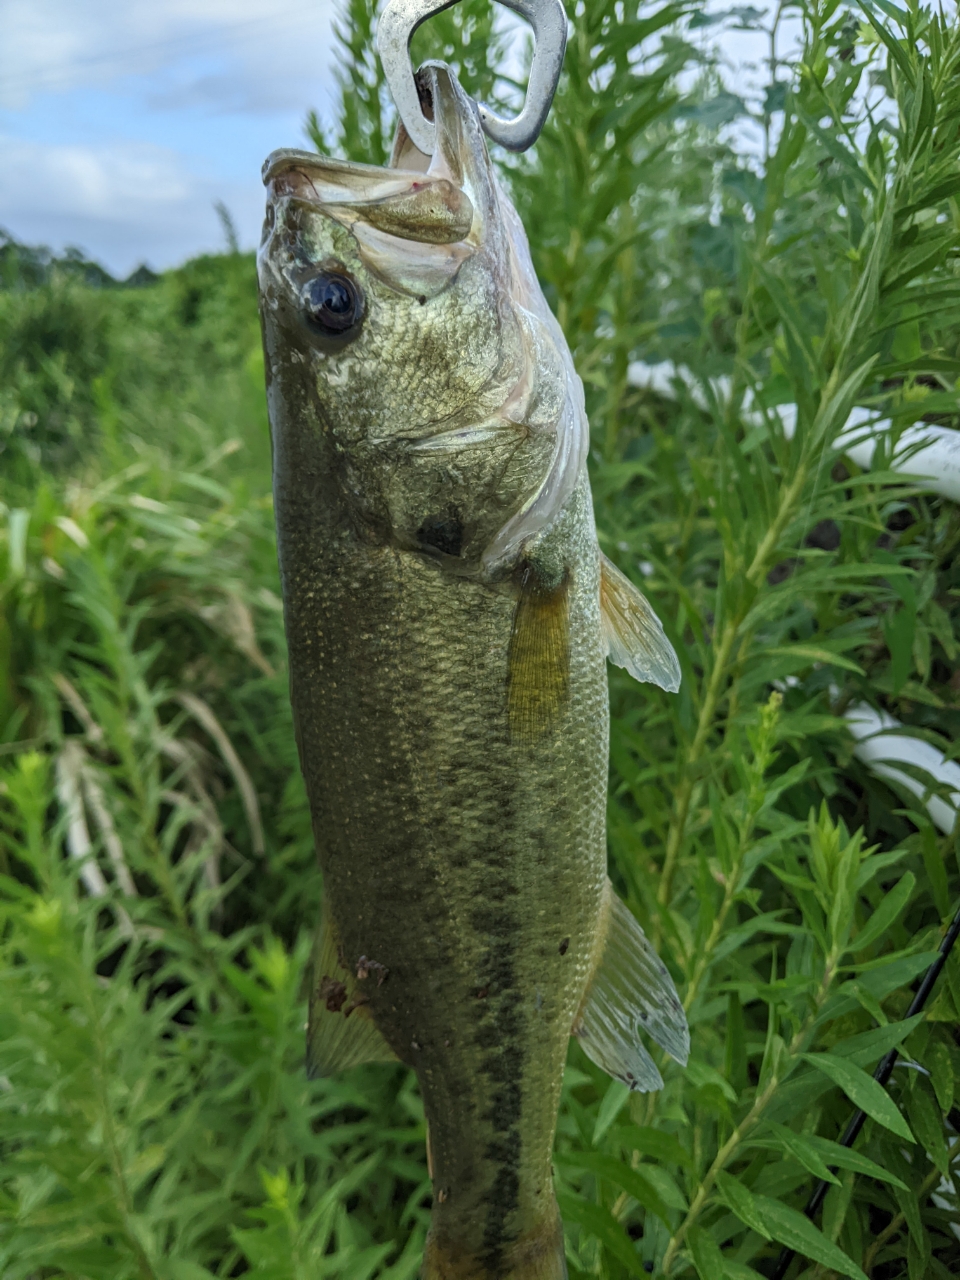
881	1075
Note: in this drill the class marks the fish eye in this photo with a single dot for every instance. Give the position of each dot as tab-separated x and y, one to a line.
332	302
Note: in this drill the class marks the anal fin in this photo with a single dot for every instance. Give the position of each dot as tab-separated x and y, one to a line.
635	637
631	992
340	1030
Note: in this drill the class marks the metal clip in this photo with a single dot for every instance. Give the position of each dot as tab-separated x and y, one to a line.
400	19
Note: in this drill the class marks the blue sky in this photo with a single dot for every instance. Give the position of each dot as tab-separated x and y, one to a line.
122	122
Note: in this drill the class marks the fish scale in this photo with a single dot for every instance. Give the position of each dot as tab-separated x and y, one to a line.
450	701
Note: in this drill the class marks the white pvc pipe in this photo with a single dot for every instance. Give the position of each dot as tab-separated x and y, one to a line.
930	453
880	748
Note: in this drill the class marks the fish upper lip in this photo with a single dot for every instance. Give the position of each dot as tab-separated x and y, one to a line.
287	158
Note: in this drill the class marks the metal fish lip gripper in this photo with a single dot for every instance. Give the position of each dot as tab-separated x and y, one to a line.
400	20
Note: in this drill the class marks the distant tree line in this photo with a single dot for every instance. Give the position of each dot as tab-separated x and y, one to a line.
29	266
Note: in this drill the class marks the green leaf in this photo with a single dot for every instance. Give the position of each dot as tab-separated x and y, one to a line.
909	1206
886	973
737	1271
702	1075
862	1090
833	1155
877	862
600	1222
706	1254
735	1052
928	1126
743	1203
865	1049
796	1231
184	1269
814	653
933	864
898	631
847	1158
868	1002
792	320
667	1187
886	913
614	1100
804	1151
941	1074
664	1147
803	883
621	1175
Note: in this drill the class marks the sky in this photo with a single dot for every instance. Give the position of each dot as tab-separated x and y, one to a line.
124	122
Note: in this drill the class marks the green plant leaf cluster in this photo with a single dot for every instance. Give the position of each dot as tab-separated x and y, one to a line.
158	891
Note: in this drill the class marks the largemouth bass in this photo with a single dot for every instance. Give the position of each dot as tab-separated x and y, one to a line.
449	615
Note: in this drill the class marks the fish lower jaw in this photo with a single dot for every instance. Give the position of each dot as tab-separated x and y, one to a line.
535	1254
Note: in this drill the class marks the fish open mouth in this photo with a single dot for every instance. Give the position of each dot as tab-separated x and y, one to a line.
441	199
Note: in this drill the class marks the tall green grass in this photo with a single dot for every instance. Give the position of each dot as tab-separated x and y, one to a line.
157	884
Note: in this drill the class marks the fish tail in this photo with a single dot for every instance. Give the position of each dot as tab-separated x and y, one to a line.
535	1254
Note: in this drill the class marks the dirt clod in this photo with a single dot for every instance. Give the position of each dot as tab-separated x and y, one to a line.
365	967
332	993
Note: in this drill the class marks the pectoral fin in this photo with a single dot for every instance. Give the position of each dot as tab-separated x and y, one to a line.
635	637
631	991
340	1031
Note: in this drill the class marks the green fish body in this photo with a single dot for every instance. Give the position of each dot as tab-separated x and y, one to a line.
449	615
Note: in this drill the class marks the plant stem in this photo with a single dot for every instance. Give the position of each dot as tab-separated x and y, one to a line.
685	790
891	1229
759	567
703	960
101	1079
722	1156
752	1117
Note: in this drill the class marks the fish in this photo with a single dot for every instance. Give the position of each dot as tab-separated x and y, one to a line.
449	615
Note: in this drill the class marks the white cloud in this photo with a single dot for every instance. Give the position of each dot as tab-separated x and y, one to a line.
273	51
123	121
122	203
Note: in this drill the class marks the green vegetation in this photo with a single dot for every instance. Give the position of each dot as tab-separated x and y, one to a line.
157	883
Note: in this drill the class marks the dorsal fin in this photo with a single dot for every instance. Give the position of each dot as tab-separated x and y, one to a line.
631	991
340	1031
635	637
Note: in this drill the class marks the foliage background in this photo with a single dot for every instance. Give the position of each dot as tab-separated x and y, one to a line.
157	883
